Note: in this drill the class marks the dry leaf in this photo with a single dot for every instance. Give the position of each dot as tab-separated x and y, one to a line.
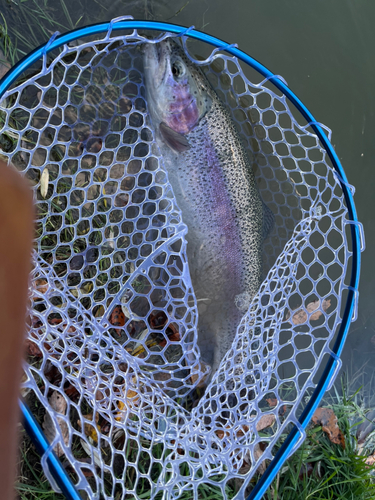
306	470
246	464
34	322
52	373
221	433
203	373
157	320
172	333
117	318
312	310
88	449
41	285
71	392
272	402
328	420
54	321
258	452
89	429
265	421
173	336
44	179
32	349
57	403
86	472
132	399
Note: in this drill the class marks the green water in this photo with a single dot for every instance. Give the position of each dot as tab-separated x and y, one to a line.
325	51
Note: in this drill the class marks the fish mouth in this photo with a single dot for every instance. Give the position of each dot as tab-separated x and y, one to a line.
156	62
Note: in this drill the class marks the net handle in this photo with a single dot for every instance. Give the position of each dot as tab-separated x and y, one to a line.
52	462
329	372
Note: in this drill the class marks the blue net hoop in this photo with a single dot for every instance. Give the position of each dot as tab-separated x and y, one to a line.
333	364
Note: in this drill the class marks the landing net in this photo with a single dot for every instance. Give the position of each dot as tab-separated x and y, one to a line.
113	365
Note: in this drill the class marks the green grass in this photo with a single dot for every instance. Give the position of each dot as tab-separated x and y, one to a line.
31	482
319	470
323	470
26	24
29	23
8	47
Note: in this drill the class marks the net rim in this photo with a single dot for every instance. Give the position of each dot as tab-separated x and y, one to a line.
334	361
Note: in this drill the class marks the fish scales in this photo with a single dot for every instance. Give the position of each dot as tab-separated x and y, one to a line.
215	189
223	212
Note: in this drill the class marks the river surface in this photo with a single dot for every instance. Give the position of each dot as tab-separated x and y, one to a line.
325	51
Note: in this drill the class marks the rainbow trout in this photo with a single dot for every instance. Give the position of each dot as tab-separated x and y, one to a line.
215	189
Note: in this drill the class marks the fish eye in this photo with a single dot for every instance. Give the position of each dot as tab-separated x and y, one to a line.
178	69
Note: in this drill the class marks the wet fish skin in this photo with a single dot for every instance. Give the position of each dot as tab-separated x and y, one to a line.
215	189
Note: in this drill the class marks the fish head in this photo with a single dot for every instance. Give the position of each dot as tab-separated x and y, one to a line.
178	94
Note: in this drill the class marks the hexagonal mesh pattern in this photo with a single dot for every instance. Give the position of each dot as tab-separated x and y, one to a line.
113	359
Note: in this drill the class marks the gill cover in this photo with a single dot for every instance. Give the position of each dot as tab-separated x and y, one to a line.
178	93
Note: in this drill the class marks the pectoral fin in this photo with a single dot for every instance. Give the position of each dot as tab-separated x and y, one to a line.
173	139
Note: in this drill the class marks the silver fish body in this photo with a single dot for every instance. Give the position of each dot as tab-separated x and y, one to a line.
215	189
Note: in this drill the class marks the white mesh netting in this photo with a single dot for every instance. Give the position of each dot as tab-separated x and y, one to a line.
113	367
